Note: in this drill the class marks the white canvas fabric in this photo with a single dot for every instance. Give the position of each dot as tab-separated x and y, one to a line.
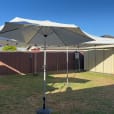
42	23
98	40
33	32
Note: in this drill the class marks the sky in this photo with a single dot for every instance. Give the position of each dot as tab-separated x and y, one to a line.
95	17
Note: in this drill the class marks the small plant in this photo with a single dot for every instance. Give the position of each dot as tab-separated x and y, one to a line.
9	48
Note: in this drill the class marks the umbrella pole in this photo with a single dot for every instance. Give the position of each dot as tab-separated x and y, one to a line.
67	60
44	110
44	83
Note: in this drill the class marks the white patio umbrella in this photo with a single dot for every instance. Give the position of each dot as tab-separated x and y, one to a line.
98	40
44	34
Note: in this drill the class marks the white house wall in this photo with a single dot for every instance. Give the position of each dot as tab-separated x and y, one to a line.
108	62
99	60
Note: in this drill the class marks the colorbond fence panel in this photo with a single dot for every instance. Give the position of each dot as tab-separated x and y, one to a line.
29	62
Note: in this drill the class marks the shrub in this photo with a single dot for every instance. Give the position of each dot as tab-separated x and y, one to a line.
9	48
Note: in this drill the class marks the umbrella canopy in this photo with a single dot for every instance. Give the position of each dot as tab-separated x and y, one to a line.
7	41
30	31
100	41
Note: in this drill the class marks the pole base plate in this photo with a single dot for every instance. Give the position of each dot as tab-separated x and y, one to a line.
44	111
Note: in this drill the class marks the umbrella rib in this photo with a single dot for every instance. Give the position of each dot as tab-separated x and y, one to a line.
59	37
35	35
8	31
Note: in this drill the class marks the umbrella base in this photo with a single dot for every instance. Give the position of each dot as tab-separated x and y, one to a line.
44	111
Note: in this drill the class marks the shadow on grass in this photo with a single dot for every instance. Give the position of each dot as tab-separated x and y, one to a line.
63	79
97	100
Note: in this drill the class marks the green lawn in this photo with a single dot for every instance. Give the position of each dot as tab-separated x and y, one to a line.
87	93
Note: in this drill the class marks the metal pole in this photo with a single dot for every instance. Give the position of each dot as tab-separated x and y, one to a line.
35	63
78	59
67	60
44	110
44	86
95	56
57	62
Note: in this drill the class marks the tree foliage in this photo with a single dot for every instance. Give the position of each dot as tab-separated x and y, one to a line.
9	48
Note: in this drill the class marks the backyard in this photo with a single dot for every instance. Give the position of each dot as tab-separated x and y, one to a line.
87	93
